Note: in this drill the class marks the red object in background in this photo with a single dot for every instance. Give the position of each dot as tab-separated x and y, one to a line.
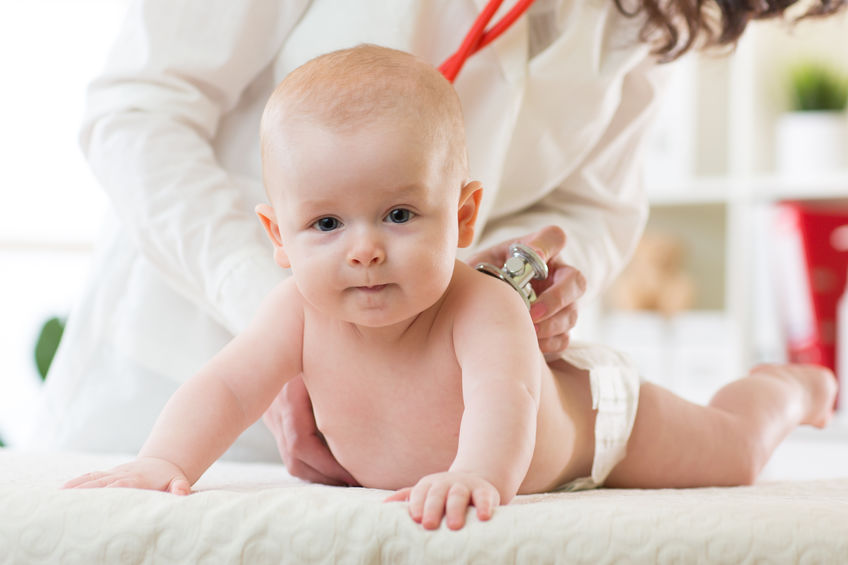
813	258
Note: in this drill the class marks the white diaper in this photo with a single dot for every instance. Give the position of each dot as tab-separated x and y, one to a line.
614	381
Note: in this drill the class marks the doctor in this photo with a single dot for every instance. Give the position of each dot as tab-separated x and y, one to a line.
556	110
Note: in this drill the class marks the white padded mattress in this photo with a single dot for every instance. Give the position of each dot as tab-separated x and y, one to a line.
257	514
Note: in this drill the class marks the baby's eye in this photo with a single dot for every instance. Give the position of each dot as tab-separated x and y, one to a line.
327	224
399	216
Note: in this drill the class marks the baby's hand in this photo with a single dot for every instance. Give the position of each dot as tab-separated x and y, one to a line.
145	472
448	494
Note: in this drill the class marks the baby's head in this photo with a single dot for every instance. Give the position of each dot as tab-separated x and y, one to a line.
347	90
364	163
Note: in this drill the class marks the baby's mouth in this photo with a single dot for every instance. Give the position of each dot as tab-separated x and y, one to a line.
372	288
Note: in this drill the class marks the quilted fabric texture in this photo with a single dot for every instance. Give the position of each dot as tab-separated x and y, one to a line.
257	514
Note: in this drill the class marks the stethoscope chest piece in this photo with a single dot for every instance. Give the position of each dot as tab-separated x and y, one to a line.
522	266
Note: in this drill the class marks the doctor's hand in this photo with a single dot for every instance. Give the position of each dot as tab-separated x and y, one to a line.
302	448
555	311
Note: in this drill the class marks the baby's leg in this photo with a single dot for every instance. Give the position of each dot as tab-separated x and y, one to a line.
676	443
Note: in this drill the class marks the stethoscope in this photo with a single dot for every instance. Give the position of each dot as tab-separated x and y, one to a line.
523	264
521	267
478	36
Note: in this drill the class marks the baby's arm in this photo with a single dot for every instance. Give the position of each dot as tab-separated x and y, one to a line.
496	348
209	411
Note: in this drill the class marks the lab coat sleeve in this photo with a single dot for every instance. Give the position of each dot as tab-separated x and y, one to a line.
176	68
601	205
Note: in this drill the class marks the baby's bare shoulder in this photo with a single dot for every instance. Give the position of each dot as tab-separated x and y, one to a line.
483	295
482	301
283	303
284	295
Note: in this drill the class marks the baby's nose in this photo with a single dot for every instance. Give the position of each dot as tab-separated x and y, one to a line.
367	251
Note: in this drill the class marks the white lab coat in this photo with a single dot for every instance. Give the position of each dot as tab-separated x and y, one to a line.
556	110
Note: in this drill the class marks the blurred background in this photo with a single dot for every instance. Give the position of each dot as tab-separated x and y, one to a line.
745	254
744	259
50	205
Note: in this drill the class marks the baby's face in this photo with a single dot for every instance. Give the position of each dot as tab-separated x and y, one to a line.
368	220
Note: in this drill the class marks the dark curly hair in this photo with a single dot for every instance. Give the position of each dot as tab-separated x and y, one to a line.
675	26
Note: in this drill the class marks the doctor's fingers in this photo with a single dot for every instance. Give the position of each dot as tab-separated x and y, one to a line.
552	332
548	241
306	456
558	325
317	465
563	287
302	450
555	344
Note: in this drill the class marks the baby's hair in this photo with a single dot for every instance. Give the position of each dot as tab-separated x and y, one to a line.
348	89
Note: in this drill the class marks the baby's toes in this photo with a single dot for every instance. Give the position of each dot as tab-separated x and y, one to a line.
823	402
821	386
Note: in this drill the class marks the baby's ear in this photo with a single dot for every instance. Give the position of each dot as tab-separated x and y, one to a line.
267	217
469	205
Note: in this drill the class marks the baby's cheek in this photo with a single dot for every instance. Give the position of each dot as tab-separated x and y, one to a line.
435	277
315	288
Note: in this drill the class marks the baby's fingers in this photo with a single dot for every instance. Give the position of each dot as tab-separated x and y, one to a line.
434	506
485	499
180	486
89	480
456	506
417	498
401	495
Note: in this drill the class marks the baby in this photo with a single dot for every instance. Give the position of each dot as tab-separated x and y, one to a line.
424	374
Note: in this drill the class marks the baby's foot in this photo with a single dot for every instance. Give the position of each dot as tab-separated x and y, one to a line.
817	384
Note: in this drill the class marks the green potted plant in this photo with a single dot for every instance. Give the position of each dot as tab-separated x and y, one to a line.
817	88
47	344
812	138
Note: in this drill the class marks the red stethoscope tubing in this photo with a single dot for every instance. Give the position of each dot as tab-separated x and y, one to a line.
478	36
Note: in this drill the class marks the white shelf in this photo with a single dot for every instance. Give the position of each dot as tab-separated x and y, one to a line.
704	190
760	188
814	187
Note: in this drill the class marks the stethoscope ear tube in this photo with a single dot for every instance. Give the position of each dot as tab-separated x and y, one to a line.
521	267
478	36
